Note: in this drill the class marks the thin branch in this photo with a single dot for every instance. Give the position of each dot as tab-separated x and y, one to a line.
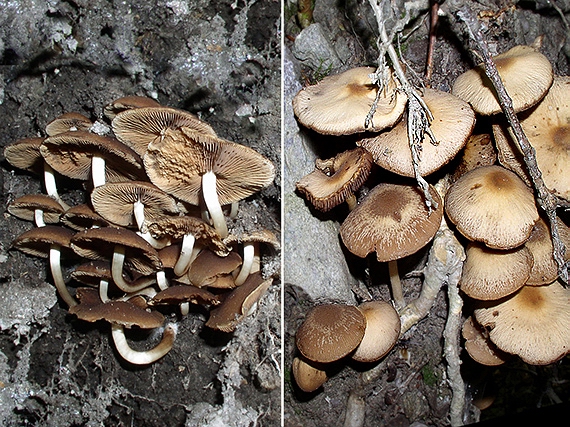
545	199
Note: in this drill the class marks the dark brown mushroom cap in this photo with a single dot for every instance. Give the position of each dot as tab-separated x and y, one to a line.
335	179
492	205
525	72
238	303
92	272
452	124
209	269
38	240
169	255
126	103
490	274
138	127
70	154
68	122
179	226
24	208
118	312
114	201
257	236
330	332
81	216
339	104
393	221
25	154
479	346
99	243
532	323
184	293
176	163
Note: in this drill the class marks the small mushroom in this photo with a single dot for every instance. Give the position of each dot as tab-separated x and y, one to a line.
127	103
68	122
81	217
308	377
39	208
479	346
211	270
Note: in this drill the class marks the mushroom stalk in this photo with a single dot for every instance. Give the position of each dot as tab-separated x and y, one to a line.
138	211
117	272
185	257
234	210
55	267
39	218
396	285
104	290
213	204
143	357
161	280
98	171
51	187
247	263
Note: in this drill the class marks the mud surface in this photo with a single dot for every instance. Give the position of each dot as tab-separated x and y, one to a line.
219	60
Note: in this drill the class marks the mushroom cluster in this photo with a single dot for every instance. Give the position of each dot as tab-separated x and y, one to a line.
153	232
485	194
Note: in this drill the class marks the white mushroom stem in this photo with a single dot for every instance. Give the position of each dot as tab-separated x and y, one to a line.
104	290
247	263
161	280
138	211
117	272
234	210
184	308
98	171
51	186
396	285
155	243
213	204
143	357
185	257
55	267
39	218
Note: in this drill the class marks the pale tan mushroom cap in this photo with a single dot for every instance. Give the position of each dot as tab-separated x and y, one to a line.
25	154
547	127
491	204
307	377
382	331
339	104
330	332
533	323
452	124
176	163
526	73
393	221
138	127
479	346
335	179
490	274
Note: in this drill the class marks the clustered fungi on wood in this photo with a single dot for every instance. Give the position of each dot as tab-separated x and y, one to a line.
521	307
144	239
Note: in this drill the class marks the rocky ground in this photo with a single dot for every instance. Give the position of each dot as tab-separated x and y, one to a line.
219	60
412	386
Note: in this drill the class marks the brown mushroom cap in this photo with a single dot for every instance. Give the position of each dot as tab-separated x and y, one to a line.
238	303
452	124
92	272
382	331
176	162
114	201
81	216
24	208
68	122
184	293
99	243
209	269
525	72
177	227
392	220
70	154
492	205
533	323
330	332
38	240
478	151
126	103
25	154
335	179
339	104
308	377
117	312
138	127
490	274
548	131
479	346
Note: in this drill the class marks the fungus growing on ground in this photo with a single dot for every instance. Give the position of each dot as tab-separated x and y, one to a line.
526	74
335	180
492	205
339	104
39	208
451	126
